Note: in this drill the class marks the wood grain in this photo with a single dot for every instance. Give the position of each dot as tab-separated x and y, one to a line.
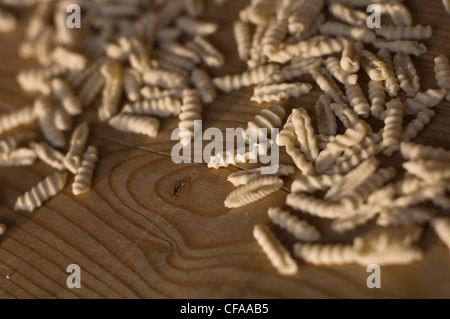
153	229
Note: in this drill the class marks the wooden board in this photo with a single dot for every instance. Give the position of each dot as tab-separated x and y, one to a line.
154	229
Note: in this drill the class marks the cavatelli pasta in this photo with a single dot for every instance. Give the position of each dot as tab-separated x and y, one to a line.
326	121
442	72
305	133
243	177
255	76
66	97
278	92
161	107
377	97
311	184
243	37
406	74
392	133
78	141
357	100
429	98
83	177
300	229
191	110
334	68
417	125
137	124
391	32
203	82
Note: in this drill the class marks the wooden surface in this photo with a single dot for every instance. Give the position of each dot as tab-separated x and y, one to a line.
134	235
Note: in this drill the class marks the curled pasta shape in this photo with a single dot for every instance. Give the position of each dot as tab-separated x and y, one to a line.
269	118
356	33
179	50
256	56
40	193
244	177
429	98
325	254
287	134
413	129
398	13
255	76
404	216
334	68
37	79
137	124
45	112
8	22
20	157
327	84
203	82
392	133
154	92
132	82
441	226
83	177
164	79
49	155
391	82
349	60
442	72
297	69
396	255
300	229
16	118
63	121
253	191
162	107
112	92
274	250
406	47
346	115
91	89
310	184
317	207
207	52
304	14
305	133
377	97
299	159
392	33
326	120
68	59
357	100
78	141
375	68
348	15
274	36
76	79
243	37
431	171
169	12
278	92
422	195
191	110
66	97
406	74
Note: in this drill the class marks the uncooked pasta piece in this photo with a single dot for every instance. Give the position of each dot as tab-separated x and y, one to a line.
37	79
169	61
431	171
78	141
407	47
243	177
40	193
169	12
274	36
416	126
243	37
304	14
259	10
412	151
418	32
207	52
349	60
392	133
377	97
168	34
357	100
91	89
83	177
163	64
299	159
137	124
396	255
375	68
287	134
406	74
3	229
270	118
380	239
398	13
66	97
253	191
310	184
348	15
162	107
191	110
274	250
441	226
164	79
203	82
391	82
325	254
326	121
112	92
180	50
194	7
68	59
408	184
295	70
255	76
76	79
363	190
356	33
23	116
346	115
45	109
334	68
139	53
300	229
305	133
442	72
328	156
312	48
11	143
132	82
422	195
256	56
8	22
20	157
317	207
327	84
278	92
429	98
154	92
404	216
63	121
446	4
49	155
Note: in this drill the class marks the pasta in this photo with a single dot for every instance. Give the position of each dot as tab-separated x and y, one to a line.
348	14
429	98
83	177
404	216
300	229
45	112
37	79
253	191
406	47
431	171
194	7
68	59
235	82
377	99
406	74
417	125
278	92
356	33
326	121
392	33
299	159
40	193
66	97
412	151
62	120
132	83
72	160
305	133
275	252
297	69
273	37
392	133
112	92
328	254
8	22
357	100
442	72
164	79
333	67
91	89
207	52
287	134
16	118
446	4
327	84
243	177
398	13
137	124
441	226
317	207
20	157
269	118
349	61
49	155
3	227
310	184
391	82
242	35
256	56
303	15
161	107
346	115
375	68
179	50
191	110
203	82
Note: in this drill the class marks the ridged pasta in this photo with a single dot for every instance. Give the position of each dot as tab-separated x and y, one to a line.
317	207
327	84
253	191
418	32
255	76
325	254
297	69
179	50
68	59
10	143
349	60
408	184
164	79
278	92
328	156
422	195
77	145
40	193
16	118
398	13
391	82
83	177
377	97
304	14
8	22
169	12
310	184
45	112
154	92
441	226
412	151
256	56
274	36
334	68
91	88
404	216
429	98
413	129
63	121
194	7
339	29
357	100
375	68
162	107
191	110
348	15
66	97
166	58
396	255
392	133
20	157
203	82
442	72
243	177
36	79
346	115
278	256
406	74
305	133
300	229
269	118
431	171
243	37
326	121
49	155
446	4
287	134
207	52
196	27
132	82
112	92
137	124
406	47
306	167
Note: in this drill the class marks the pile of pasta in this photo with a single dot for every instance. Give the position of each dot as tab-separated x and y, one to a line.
338	175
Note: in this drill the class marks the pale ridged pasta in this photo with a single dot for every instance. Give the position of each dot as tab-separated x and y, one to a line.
356	33
377	97
398	13
300	229
40	193
361	149
396	255
304	13
310	184
154	92
179	50
274	250
391	82
326	121
442	72
317	207
375	68
173	63
112	92
299	159
168	34
278	92
132	82
63	120
328	156
137	124
297	69
446	4
287	134
91	89
37	79
408	184
256	56
49	155
78	141
20	157
207	52
348	15
191	110
407	47
83	177
243	177
243	37
406	74
274	36
269	118
68	59
441	226
45	112
334	68
139	53
349	60
418	32
253	191
8	22
429	98
431	171
380	239
194	7
258	11
164	79
66	97
203	82
10	143
163	107
305	133
412	151
422	195
392	133
169	12
255	76
357	100
416	126
325	254
346	115
404	216
16	118
327	84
